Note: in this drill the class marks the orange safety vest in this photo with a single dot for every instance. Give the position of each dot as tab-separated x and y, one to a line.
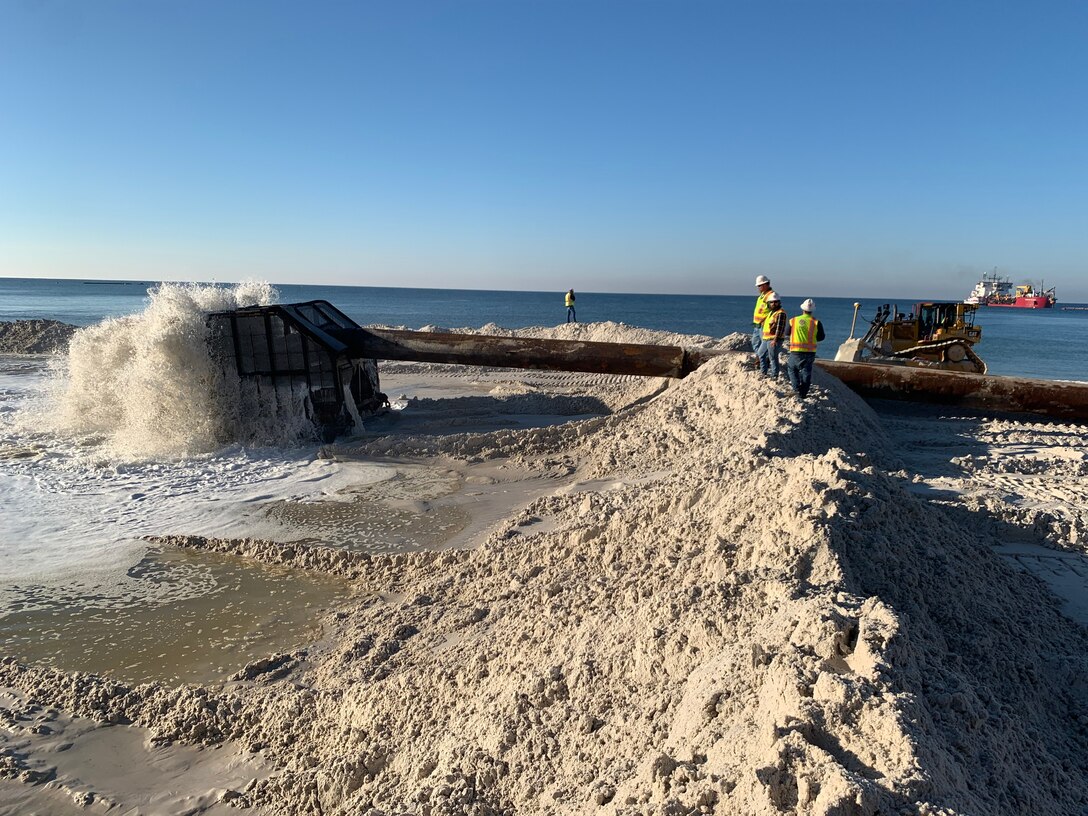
803	331
772	324
759	314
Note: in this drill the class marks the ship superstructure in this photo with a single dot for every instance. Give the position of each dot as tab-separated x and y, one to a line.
998	290
990	287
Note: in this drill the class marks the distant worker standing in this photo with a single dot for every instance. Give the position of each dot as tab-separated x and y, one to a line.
805	332
772	336
763	284
571	317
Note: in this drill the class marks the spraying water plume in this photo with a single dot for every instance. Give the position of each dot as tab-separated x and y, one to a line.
146	385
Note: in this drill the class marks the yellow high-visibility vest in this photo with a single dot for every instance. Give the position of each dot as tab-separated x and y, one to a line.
759	314
803	331
771	324
569	299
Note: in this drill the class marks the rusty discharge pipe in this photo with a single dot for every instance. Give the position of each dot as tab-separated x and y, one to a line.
519	352
1063	400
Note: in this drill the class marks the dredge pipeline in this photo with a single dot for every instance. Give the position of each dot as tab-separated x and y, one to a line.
985	392
1063	400
316	347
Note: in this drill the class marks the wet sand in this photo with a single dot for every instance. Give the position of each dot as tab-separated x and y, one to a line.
187	619
53	763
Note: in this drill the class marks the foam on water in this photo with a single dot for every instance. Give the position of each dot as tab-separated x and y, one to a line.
62	514
138	432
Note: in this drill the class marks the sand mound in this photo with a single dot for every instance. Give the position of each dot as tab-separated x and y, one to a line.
605	332
34	336
735	609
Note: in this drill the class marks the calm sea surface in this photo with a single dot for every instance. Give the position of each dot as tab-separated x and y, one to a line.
1047	343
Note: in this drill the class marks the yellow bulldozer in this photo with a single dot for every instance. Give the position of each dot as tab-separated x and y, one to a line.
934	335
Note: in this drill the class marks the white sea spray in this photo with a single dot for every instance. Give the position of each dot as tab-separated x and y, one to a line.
147	386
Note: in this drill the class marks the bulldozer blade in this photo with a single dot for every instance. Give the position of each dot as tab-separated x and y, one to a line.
851	351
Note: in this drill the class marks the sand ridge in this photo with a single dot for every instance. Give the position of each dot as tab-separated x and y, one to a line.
738	604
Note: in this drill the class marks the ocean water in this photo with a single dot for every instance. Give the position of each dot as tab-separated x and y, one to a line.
132	435
1012	339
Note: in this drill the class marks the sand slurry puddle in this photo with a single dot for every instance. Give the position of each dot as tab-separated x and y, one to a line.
78	766
176	617
427	504
415	508
181	616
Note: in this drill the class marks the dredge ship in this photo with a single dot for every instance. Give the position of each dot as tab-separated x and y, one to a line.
998	290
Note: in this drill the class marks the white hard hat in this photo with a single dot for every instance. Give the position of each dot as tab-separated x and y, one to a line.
808	305
772	297
762	279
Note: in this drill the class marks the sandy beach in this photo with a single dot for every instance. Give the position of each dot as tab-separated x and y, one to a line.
633	596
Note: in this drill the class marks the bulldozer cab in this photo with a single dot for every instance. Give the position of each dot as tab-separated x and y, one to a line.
937	322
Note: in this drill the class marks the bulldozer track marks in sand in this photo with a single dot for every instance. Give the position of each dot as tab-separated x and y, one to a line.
550	379
1055	564
1030	479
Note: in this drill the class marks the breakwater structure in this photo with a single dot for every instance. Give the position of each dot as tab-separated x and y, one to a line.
315	347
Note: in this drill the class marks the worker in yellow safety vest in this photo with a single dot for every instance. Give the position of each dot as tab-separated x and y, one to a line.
772	336
763	284
569	299
805	332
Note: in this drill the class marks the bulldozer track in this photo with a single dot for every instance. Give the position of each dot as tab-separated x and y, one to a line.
929	348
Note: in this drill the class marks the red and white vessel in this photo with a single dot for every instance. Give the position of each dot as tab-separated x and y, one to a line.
996	290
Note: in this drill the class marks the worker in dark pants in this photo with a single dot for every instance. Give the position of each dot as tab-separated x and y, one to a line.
805	332
759	314
773	336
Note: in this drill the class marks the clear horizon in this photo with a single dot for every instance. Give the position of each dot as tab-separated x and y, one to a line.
854	149
789	294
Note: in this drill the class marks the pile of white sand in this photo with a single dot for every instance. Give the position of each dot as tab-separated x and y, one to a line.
738	607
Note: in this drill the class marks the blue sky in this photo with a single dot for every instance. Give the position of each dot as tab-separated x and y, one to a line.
882	148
